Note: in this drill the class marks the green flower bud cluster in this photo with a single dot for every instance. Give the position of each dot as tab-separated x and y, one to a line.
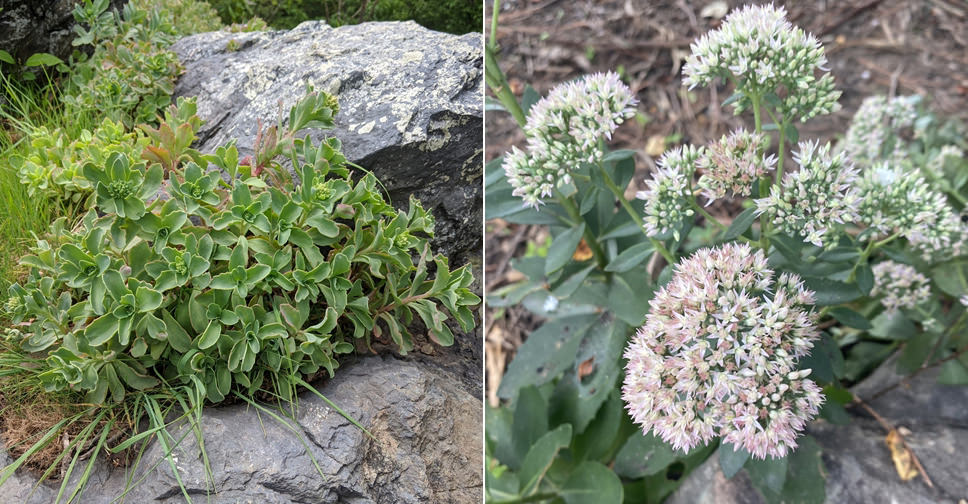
764	54
815	200
668	194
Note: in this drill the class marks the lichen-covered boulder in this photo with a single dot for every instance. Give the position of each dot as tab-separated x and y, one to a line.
426	447
858	462
411	106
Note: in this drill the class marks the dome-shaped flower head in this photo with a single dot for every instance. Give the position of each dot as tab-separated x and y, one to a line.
564	130
900	285
763	53
567	124
730	166
877	119
718	355
668	200
817	198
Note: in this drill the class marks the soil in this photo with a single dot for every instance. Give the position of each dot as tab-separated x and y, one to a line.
873	47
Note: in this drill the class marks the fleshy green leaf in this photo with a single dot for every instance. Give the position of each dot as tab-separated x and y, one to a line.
631	257
731	459
740	224
643	455
41	59
540	456
101	329
562	248
592	483
211	335
850	318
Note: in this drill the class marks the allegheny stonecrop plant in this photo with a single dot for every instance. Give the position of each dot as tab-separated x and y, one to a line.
229	284
746	332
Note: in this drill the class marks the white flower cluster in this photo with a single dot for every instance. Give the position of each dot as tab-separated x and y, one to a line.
941	237
763	52
936	163
718	355
564	130
901	285
878	119
730	166
964	300
893	200
668	197
817	198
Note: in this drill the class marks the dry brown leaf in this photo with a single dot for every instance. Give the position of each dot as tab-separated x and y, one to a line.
655	146
901	455
586	368
495	359
582	252
514	276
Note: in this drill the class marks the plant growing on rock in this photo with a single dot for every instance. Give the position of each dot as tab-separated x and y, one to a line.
747	331
218	284
235	268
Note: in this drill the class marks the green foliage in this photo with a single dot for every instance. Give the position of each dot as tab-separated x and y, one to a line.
453	16
229	284
131	75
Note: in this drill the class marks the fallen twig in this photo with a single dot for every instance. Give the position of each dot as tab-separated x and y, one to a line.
887	426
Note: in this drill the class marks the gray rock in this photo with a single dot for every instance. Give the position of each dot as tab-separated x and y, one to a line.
29	26
857	460
427	448
411	106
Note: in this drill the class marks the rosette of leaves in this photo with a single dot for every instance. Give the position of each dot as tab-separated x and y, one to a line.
52	167
121	187
231	284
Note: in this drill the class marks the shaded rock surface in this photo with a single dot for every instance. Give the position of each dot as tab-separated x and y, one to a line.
857	460
411	106
427	448
29	26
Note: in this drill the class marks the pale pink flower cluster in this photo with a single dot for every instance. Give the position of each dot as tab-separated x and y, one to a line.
901	285
730	166
718	355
